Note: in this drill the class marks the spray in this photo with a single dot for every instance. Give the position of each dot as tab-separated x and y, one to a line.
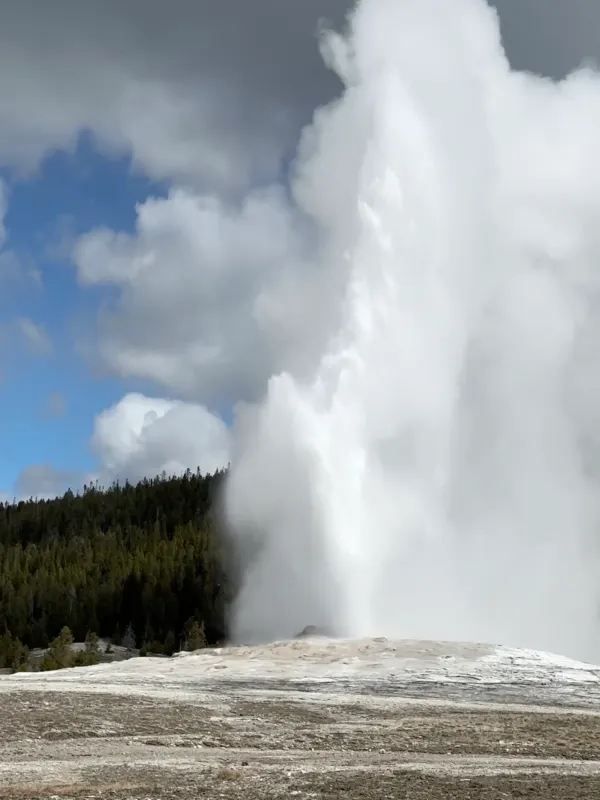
436	473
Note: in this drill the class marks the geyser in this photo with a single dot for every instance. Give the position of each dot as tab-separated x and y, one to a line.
434	471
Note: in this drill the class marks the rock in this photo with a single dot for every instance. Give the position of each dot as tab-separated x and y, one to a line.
311	630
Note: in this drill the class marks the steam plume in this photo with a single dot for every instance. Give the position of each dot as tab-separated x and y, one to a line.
437	473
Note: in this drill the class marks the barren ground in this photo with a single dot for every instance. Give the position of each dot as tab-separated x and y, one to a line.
369	720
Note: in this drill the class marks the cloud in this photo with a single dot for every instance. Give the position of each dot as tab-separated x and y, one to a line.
189	93
35	337
213	297
178	86
142	436
45	481
137	437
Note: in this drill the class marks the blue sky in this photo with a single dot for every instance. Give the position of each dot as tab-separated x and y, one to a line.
71	193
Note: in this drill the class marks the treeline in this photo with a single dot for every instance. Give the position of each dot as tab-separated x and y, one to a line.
142	562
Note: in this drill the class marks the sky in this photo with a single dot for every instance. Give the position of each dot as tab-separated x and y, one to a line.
148	239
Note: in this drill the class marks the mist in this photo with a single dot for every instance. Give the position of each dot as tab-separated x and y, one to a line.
432	470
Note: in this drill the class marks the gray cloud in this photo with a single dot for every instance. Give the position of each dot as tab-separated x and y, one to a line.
202	92
44	480
198	91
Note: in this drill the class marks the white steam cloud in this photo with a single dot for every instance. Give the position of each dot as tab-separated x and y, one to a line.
438	475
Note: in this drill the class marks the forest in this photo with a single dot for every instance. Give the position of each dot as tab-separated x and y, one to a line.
141	565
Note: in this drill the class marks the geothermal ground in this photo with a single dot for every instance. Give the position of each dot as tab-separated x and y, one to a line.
313	718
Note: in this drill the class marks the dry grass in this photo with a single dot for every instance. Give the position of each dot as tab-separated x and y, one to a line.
75	745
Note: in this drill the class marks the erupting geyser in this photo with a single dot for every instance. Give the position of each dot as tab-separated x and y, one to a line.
434	473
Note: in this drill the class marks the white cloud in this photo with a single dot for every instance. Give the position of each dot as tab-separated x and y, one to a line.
137	437
142	436
213	297
35	337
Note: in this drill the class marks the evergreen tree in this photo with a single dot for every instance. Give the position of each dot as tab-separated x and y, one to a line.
60	653
91	653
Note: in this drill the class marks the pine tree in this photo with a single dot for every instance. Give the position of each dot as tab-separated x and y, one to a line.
91	654
60	653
